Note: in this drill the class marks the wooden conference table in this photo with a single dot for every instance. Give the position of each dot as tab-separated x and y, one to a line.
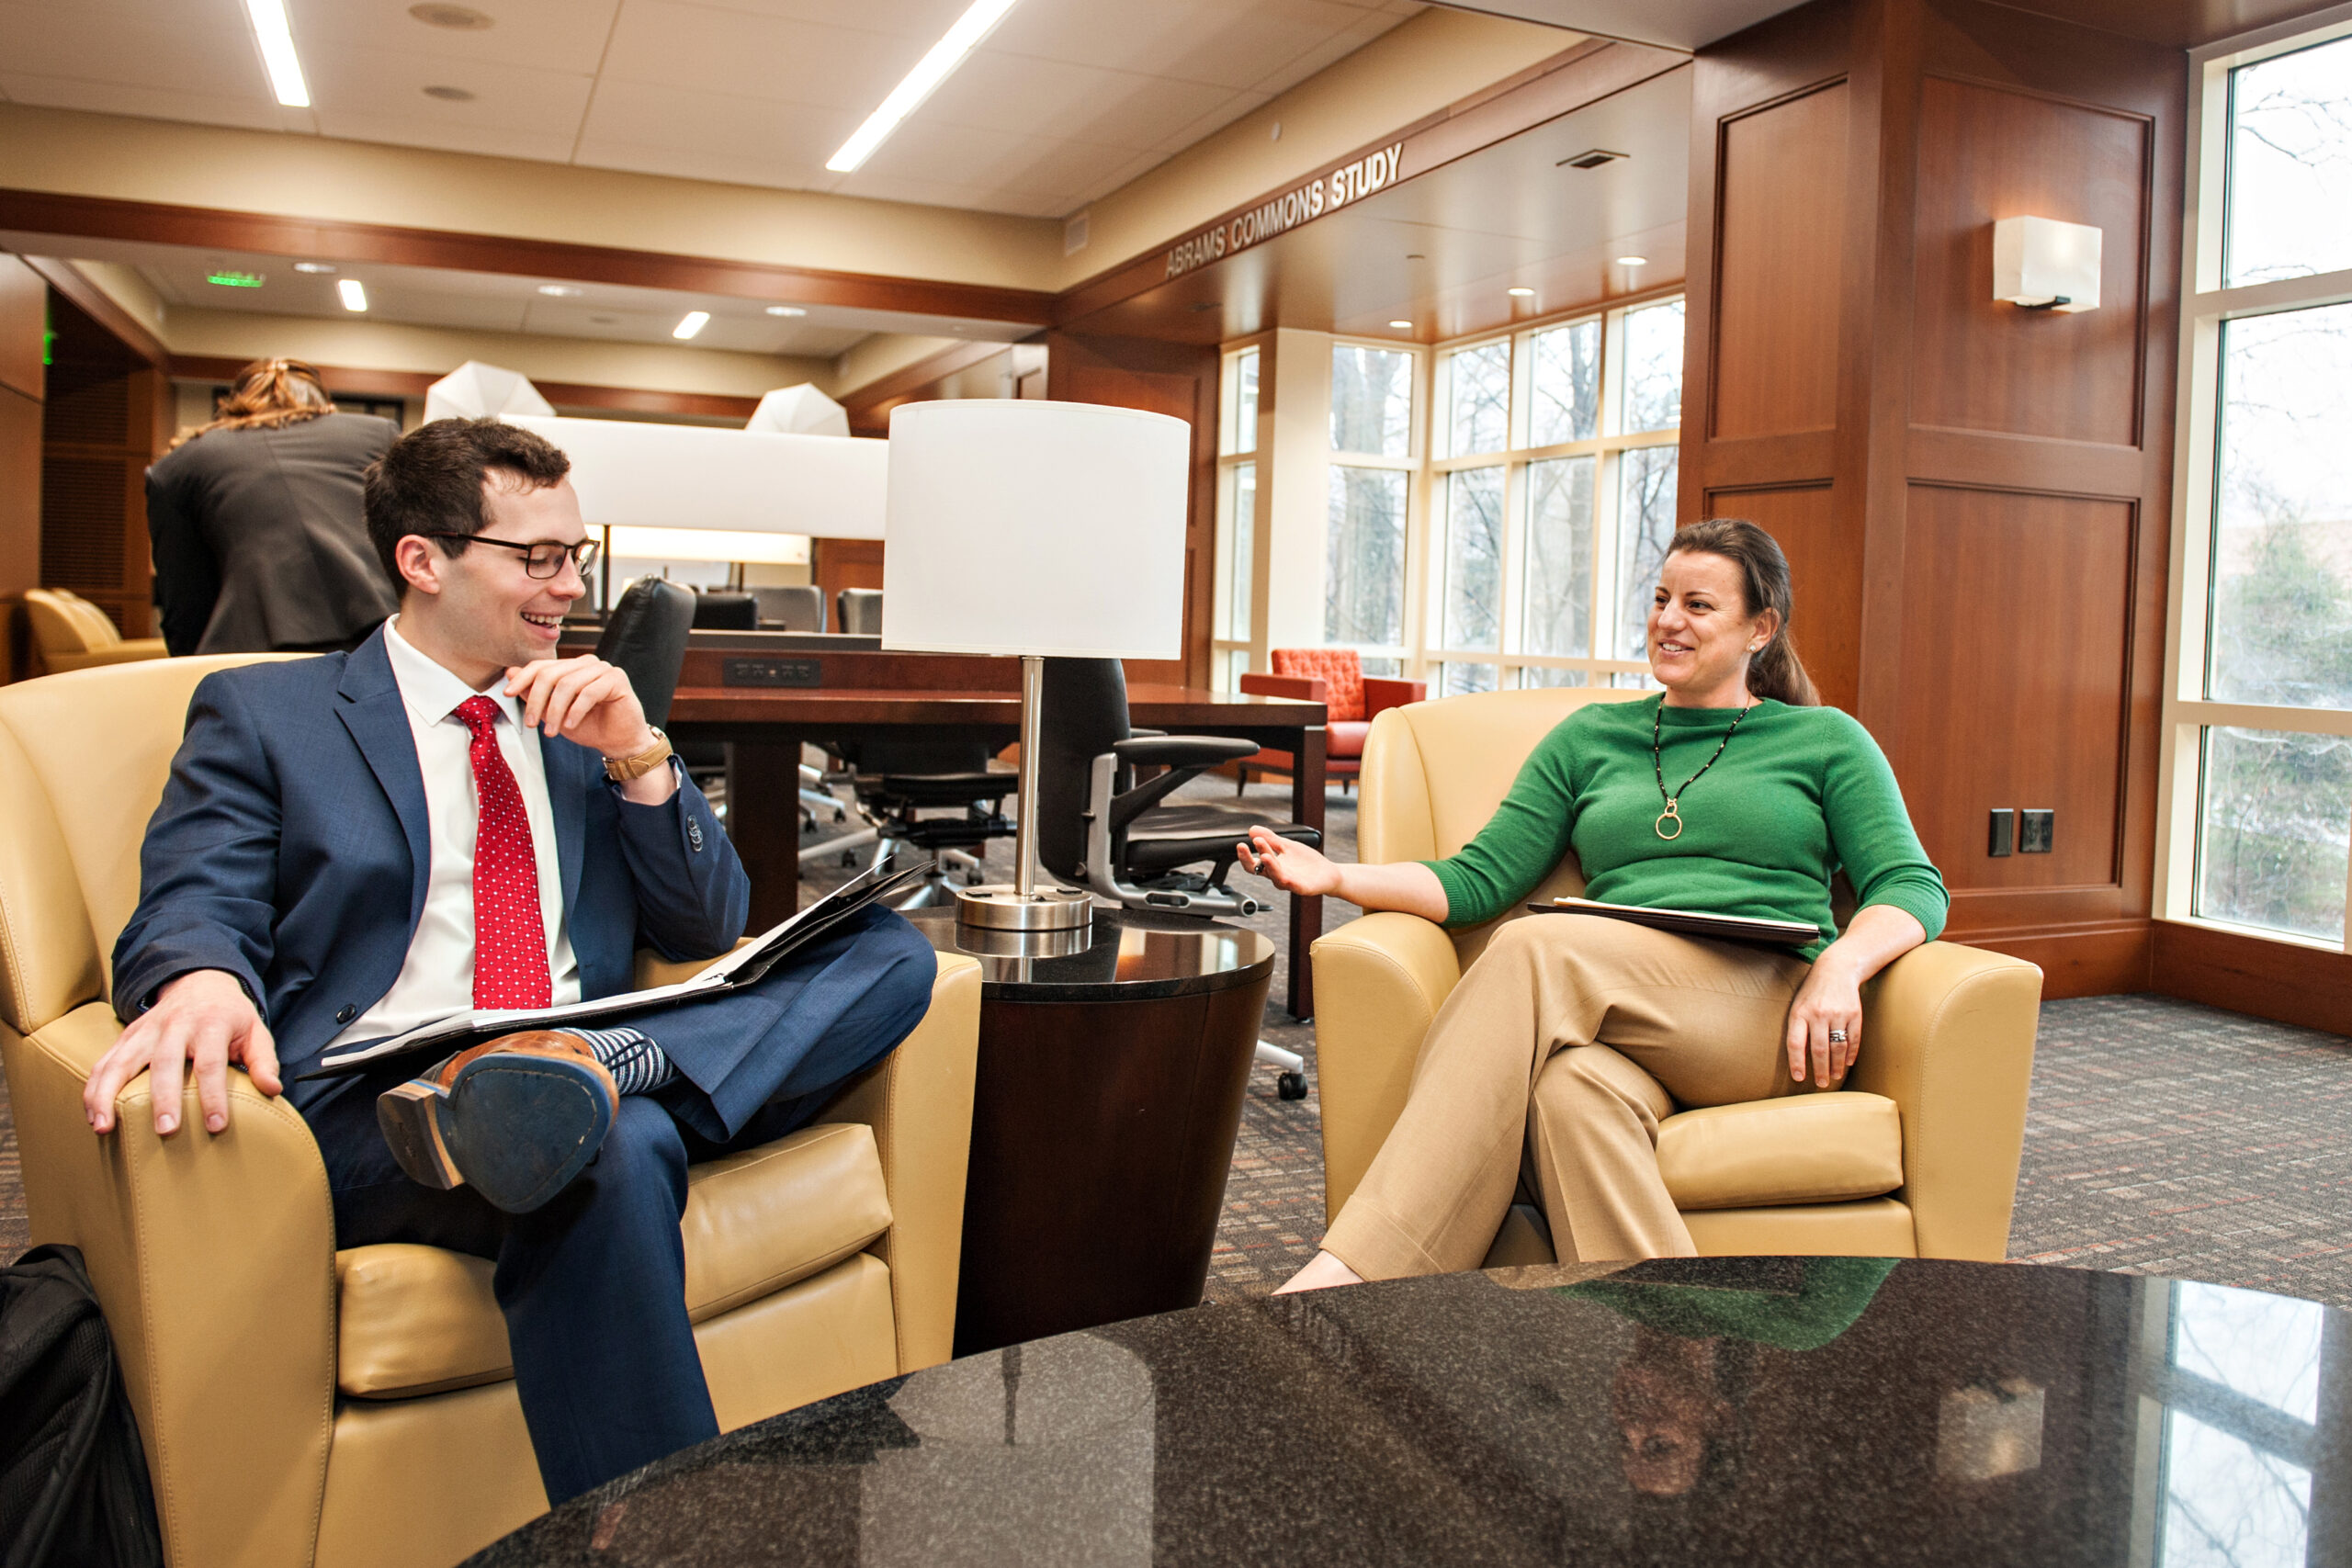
847	689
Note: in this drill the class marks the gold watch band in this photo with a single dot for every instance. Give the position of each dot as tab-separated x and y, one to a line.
621	770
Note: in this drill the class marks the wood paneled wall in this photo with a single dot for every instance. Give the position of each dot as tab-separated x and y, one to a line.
1975	498
1180	381
24	322
108	413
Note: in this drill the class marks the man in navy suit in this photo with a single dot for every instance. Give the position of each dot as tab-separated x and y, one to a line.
452	816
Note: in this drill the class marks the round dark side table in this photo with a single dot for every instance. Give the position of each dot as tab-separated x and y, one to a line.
1112	1066
1798	1412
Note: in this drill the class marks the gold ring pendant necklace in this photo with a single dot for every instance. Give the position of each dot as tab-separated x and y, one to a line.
1673	812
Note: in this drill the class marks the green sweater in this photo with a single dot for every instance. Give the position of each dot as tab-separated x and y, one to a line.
1798	794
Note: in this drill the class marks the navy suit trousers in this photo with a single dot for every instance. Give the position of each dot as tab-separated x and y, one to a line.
593	1285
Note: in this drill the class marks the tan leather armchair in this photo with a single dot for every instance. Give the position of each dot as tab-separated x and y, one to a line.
73	633
1917	1157
356	1408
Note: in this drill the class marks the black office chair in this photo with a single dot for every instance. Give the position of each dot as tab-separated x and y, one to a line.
858	611
645	636
798	607
1098	830
726	610
895	780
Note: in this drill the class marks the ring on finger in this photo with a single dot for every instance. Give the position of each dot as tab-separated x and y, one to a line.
1836	1037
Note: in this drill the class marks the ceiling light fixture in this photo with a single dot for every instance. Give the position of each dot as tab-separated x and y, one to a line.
1632	260
354	292
559	291
277	57
785	310
313	267
691	323
1402	326
1521	293
930	71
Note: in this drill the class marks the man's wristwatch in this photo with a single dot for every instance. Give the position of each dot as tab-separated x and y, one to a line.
620	769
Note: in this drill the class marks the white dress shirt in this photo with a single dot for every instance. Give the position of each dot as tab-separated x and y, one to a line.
436	979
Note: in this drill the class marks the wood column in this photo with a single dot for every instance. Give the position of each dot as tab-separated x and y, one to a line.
1975	498
105	418
24	325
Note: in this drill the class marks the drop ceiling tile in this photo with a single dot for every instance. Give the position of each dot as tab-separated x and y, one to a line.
1329	52
1022	95
440	136
252	113
710	136
925	19
706	50
1231	43
1134	169
990	160
1216	119
205	49
388	85
550	35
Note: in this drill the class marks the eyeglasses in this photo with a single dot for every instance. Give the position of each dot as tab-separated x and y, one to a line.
544	560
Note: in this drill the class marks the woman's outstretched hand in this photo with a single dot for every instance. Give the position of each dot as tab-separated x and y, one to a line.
1293	867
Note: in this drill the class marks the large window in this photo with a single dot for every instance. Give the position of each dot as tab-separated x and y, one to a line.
1234	615
2259	742
1371	474
1552	500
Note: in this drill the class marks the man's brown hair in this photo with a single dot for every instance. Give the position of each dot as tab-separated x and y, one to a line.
431	481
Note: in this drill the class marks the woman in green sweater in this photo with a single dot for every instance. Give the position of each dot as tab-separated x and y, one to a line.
1570	1038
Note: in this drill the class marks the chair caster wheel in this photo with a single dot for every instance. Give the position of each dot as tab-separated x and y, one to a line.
849	857
841	815
1291	1086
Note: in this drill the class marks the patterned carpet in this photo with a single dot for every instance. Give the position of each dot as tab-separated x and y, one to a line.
2163	1138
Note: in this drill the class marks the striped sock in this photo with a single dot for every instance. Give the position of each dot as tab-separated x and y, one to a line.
638	1065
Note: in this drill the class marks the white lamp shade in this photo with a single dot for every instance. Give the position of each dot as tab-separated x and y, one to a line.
475	391
800	411
686	475
2037	259
1034	528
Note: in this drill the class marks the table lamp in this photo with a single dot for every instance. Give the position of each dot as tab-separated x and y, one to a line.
1043	530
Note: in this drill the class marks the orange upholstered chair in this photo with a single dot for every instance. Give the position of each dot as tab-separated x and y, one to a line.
1334	677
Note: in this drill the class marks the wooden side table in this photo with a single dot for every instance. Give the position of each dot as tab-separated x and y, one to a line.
1111	1075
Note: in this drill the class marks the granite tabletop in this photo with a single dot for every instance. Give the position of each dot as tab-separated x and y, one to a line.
1123	955
1748	1411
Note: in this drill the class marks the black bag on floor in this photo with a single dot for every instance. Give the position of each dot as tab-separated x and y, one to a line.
73	1482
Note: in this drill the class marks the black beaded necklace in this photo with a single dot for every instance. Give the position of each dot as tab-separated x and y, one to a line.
1658	764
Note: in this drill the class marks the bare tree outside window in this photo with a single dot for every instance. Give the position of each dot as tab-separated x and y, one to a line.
1555	616
1474	557
1480	399
1363	593
1372	400
1646	523
2291	166
1563	384
1653	368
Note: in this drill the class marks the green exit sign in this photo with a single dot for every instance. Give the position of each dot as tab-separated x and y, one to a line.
235	279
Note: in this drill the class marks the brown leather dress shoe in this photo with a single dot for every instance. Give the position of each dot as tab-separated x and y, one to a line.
515	1119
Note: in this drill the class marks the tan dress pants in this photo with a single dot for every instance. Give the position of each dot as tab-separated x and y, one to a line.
1563	1048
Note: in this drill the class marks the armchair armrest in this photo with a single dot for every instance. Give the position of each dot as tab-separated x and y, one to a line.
213	1256
1947	1036
1380	981
1305	688
1380	694
918	1100
1182	751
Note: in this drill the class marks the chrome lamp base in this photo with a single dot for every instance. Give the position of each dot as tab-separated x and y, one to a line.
1002	906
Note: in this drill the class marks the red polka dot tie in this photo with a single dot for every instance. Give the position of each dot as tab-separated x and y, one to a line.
510	938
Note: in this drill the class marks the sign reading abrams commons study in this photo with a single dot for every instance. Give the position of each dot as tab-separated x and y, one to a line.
1326	193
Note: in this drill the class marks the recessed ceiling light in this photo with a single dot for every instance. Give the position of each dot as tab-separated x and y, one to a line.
314	267
785	310
559	291
461	19
225	279
690	323
354	292
450	95
1521	293
1632	260
277	57
1402	326
919	84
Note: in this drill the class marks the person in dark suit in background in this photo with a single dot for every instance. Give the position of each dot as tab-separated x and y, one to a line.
455	816
256	521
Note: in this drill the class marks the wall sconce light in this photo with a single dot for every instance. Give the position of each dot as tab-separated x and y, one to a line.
2043	264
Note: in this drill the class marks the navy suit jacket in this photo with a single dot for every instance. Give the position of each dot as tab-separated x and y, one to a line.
290	851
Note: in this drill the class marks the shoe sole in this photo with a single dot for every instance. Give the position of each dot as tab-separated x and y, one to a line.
516	1129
